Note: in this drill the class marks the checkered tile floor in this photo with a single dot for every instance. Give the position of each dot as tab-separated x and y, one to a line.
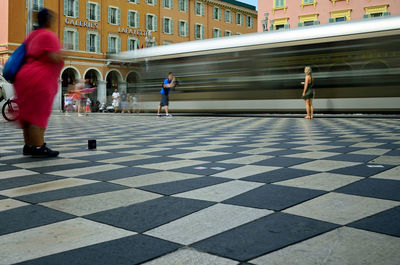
203	190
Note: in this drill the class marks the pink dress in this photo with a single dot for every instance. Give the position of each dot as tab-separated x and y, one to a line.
36	83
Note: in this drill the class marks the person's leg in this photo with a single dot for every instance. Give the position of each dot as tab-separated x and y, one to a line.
159	110
166	110
311	108
36	135
307	109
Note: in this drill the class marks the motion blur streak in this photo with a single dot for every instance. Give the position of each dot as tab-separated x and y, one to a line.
356	66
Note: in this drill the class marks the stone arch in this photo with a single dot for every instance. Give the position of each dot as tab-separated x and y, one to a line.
132	80
94	77
113	78
69	76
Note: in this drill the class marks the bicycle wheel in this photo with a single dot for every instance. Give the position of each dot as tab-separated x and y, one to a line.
10	110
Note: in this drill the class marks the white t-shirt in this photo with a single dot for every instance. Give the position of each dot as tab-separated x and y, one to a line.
115	95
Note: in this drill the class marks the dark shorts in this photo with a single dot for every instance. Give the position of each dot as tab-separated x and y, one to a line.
164	100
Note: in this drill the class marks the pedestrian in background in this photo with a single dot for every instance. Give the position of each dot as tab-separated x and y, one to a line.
168	83
123	101
36	85
115	100
308	93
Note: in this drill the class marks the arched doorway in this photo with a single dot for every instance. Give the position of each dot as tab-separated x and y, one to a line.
93	76
132	83
69	77
112	79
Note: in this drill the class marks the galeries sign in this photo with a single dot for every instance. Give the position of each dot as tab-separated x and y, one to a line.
135	32
80	23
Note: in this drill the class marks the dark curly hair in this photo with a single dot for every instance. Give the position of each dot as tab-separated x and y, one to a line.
44	17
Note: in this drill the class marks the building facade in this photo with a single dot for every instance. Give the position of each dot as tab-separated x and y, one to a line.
286	14
90	30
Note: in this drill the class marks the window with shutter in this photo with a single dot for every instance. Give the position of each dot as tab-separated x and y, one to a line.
279	3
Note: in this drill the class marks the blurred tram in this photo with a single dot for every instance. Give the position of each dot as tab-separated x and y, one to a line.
356	67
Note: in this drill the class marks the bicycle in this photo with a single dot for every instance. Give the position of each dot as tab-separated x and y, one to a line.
10	108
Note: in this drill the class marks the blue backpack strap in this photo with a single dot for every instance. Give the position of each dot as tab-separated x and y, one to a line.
14	63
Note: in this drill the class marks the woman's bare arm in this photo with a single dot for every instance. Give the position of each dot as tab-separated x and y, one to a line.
55	57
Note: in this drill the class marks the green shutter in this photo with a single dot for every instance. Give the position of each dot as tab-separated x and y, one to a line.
76	48
129	18
109	15
180	5
172	26
286	26
118	16
97	43
109	44
163	25
87	11
219	14
385	14
331	20
171	3
87	41
366	16
137	20
202	9
65	7
202	32
214	12
316	22
76	3
187	29
300	24
65	38
147	22
155	23
118	48
97	12
41	4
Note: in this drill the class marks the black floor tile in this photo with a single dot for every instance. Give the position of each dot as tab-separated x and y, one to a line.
118	173
170	152
3	197
17	182
262	236
138	162
279	175
175	187
344	150
352	158
363	170
393	153
48	169
147	215
8	167
285	152
129	250
274	197
207	169
30	216
377	188
233	149
100	157
282	161
219	158
66	193
387	222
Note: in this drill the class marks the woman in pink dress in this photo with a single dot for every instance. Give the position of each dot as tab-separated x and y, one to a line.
36	85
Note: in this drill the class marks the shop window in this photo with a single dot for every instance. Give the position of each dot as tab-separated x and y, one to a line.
151	22
71	39
183	5
92	11
199	9
168	25
183	28
199	31
114	15
228	16
92	42
71	8
216	13
133	19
